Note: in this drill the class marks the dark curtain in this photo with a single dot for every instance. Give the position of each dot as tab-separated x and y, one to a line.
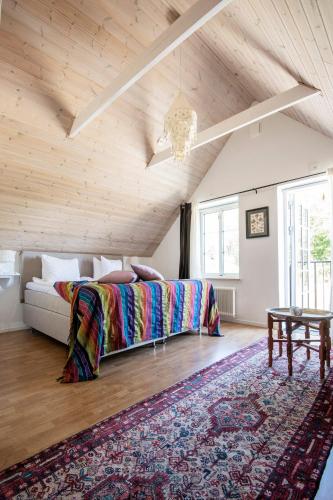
185	236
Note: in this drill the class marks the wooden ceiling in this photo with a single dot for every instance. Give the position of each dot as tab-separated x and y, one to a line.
93	193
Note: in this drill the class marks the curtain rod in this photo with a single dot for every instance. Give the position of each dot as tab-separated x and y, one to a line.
262	187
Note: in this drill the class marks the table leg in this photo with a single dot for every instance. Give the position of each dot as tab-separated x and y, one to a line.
289	346
328	345
322	348
280	336
307	336
270	340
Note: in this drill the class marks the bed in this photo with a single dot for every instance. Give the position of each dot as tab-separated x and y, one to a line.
47	312
43	311
103	318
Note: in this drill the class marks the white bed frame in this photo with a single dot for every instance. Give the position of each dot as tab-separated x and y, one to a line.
54	324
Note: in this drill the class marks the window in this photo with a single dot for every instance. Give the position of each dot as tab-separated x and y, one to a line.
220	239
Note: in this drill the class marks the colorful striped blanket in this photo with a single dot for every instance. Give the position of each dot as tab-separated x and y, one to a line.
106	318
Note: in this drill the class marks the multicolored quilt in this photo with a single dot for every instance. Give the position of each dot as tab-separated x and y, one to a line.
106	317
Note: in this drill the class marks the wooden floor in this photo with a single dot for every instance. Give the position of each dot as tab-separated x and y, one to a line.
36	411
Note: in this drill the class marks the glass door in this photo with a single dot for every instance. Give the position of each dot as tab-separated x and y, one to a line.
307	222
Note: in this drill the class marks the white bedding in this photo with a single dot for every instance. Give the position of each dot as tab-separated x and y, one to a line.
56	269
45	286
41	293
39	287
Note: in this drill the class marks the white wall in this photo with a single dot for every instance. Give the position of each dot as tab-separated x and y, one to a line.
284	149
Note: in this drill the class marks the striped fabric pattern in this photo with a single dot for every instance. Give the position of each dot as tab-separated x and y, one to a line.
106	317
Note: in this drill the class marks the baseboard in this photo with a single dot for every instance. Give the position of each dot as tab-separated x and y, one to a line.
228	319
14	327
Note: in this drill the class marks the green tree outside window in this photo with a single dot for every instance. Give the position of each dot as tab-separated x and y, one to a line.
321	246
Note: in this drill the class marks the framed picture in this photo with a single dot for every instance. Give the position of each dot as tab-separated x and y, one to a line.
257	222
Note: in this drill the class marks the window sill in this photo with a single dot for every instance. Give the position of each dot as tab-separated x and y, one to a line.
224	278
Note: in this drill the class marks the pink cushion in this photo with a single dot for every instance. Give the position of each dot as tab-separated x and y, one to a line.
146	273
119	277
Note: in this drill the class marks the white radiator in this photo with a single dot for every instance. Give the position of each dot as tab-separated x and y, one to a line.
226	301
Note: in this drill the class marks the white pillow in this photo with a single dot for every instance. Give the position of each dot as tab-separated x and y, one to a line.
107	266
97	265
40	281
54	269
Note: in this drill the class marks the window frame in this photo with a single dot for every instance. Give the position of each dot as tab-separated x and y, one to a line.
220	208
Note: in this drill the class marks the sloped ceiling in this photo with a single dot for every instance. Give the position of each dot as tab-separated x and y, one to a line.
93	193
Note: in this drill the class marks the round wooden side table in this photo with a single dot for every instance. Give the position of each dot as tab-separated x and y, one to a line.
310	319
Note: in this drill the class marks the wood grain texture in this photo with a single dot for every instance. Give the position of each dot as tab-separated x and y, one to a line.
254	114
93	194
36	411
270	44
179	31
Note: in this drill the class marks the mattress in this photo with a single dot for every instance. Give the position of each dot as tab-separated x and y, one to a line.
47	301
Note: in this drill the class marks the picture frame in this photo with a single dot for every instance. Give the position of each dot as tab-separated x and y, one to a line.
257	222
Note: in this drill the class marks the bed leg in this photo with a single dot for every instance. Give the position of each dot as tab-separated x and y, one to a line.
163	341
154	344
199	331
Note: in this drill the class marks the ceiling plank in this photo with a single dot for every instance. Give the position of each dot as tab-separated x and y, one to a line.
253	114
176	34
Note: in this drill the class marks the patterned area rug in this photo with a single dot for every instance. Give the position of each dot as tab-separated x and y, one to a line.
236	429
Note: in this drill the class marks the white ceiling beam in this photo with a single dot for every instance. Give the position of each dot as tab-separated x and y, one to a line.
176	34
253	114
